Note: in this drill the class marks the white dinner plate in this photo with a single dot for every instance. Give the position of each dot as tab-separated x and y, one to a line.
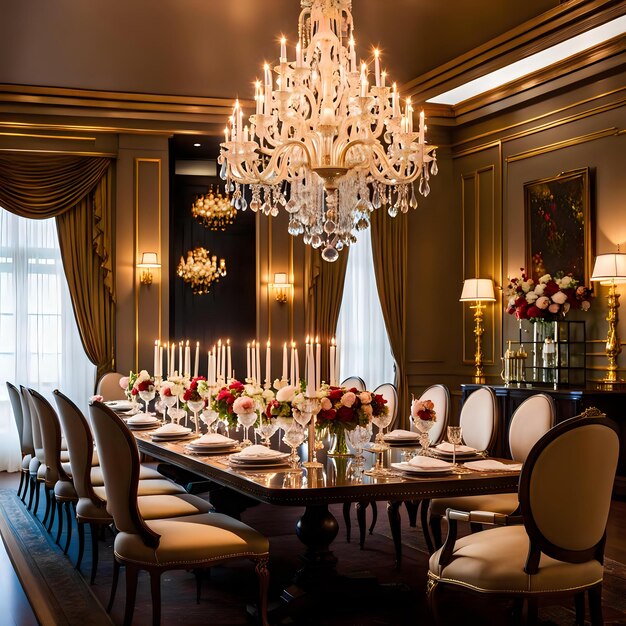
259	465
254	460
412	469
182	437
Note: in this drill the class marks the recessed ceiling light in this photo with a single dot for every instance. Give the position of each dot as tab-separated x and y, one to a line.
196	145
533	63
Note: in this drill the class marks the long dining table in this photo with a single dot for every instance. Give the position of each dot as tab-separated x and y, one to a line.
314	489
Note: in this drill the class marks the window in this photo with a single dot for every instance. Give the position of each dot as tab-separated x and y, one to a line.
39	342
364	348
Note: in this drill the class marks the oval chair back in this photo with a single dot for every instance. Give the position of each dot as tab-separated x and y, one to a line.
79	444
532	419
109	387
28	408
18	415
51	436
119	461
440	397
27	424
354	382
565	490
389	392
479	419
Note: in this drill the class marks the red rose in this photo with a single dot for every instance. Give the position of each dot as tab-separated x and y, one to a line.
550	289
521	301
534	311
236	386
224	394
378	399
193	385
134	392
335	395
345	414
144	385
327	415
187	395
166	392
271	405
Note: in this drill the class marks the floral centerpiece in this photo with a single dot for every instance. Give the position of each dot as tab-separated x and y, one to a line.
549	299
423	410
223	401
196	390
143	383
127	383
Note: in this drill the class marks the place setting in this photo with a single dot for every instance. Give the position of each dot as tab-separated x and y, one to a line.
424	466
143	421
258	456
172	431
212	443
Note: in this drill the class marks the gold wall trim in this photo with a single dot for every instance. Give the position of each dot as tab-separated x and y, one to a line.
577	116
112	155
40	136
136	283
559	145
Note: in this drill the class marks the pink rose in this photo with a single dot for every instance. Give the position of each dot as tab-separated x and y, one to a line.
585	305
97	398
243	404
559	297
554	308
348	398
542	302
326	404
124	380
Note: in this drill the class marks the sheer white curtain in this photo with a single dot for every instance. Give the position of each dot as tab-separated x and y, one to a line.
361	334
39	342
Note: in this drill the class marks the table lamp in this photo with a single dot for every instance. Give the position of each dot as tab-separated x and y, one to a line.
478	290
610	269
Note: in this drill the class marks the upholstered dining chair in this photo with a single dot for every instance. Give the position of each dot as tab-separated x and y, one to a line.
191	542
36	467
479	421
534	417
58	486
25	435
109	387
555	545
354	382
91	508
390	393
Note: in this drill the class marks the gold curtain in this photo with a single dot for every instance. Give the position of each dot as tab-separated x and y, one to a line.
326	282
77	192
390	255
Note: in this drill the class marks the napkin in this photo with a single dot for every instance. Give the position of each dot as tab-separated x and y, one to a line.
141	419
170	429
120	405
490	465
257	451
402	434
460	449
428	462
213	439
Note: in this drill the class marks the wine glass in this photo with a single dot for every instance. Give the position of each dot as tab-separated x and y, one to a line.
147	396
169	402
266	429
294	437
455	437
195	406
246	420
381	421
357	438
209	417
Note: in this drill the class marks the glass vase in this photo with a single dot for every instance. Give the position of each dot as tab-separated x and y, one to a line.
338	444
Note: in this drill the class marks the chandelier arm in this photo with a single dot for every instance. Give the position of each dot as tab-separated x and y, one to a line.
265	176
399	176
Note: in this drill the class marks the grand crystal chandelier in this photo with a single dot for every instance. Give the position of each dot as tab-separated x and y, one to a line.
213	210
323	143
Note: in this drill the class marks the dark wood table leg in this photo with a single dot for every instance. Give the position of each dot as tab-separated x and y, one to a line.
361	508
393	512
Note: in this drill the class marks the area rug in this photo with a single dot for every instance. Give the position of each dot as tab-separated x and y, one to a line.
58	593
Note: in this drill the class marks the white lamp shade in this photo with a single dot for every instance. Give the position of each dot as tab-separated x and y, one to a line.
610	268
478	290
280	279
149	259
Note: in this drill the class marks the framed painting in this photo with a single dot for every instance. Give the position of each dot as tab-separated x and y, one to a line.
559	226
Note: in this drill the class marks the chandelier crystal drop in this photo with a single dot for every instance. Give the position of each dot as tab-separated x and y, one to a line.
323	144
201	270
213	210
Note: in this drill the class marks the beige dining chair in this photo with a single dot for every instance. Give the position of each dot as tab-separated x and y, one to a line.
109	387
188	543
479	421
354	382
25	436
555	546
91	508
58	486
37	465
534	417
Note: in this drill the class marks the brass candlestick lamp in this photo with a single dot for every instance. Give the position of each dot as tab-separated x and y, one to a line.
478	290
610	269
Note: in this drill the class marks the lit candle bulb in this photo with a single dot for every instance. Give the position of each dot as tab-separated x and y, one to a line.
364	84
226	134
377	66
383	78
352	56
298	55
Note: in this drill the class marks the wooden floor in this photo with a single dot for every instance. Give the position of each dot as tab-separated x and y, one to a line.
17	611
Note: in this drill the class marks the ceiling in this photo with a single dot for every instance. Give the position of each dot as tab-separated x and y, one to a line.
215	48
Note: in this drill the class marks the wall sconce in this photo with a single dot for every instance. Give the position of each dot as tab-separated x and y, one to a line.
610	269
148	260
281	286
478	290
